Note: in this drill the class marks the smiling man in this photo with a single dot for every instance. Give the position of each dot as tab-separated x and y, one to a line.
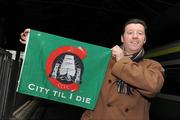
131	81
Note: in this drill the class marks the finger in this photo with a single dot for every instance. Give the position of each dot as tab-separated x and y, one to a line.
22	41
26	31
21	35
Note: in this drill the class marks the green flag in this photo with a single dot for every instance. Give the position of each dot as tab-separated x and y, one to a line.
63	69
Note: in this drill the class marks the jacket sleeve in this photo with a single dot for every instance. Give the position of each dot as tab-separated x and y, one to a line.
147	77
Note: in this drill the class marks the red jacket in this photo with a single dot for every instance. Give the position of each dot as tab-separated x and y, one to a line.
147	78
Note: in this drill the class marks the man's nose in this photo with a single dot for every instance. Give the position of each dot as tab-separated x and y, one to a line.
135	35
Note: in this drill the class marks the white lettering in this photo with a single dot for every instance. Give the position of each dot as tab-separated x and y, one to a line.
83	99
59	94
36	88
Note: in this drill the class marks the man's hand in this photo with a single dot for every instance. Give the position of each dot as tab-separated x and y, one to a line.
24	36
117	53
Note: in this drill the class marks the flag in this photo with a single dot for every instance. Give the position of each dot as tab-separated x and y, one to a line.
63	69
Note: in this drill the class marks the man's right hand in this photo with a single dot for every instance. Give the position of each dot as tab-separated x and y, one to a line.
24	36
117	53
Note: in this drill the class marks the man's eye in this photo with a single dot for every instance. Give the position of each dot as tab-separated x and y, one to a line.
141	33
129	32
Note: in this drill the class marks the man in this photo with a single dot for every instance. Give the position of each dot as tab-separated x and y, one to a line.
130	82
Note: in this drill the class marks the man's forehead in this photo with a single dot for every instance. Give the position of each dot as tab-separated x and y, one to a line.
134	26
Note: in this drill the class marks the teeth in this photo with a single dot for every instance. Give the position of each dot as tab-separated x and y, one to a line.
135	42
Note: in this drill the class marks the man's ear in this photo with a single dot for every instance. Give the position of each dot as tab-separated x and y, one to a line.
144	40
122	40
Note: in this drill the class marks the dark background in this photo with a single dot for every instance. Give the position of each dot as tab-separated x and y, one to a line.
93	21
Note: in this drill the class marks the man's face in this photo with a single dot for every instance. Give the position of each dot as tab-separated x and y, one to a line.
133	38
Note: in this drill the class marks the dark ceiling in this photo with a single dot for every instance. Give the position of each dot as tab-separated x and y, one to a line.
94	21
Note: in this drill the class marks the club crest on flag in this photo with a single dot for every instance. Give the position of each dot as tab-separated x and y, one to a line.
64	67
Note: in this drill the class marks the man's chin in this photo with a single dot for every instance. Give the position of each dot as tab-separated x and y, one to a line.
135	50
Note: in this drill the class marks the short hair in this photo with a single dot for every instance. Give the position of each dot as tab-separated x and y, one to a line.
135	21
